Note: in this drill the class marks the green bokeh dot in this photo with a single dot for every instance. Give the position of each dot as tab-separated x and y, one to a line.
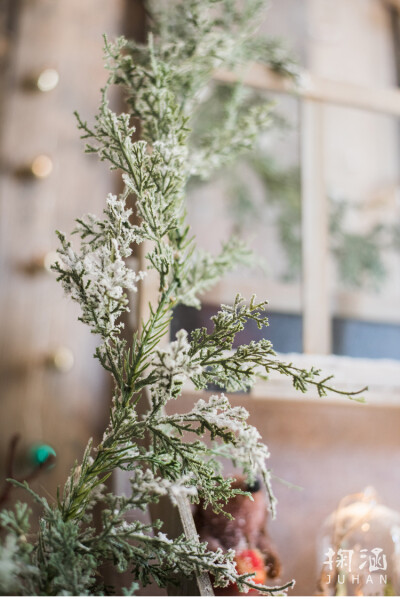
41	453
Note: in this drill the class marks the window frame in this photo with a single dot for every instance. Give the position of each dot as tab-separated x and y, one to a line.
313	300
314	93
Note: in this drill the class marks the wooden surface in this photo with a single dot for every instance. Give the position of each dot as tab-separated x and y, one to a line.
43	404
313	87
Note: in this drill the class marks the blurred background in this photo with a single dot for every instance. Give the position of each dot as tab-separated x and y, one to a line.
319	200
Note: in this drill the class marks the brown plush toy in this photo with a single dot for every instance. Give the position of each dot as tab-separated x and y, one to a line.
246	534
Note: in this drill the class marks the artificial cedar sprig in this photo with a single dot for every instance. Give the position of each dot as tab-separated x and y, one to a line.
163	82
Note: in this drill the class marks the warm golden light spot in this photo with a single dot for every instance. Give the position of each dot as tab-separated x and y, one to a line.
42	166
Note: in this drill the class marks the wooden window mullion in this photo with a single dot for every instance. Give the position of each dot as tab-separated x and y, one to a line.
315	232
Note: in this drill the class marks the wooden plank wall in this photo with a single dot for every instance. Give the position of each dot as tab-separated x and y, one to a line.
45	397
52	390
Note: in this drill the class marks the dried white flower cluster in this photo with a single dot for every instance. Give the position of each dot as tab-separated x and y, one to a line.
97	276
174	366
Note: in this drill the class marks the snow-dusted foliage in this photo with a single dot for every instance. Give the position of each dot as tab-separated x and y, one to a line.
163	82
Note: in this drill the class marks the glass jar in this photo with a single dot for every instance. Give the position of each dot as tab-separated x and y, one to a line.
359	548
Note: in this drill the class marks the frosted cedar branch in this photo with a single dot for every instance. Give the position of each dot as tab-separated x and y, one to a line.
151	145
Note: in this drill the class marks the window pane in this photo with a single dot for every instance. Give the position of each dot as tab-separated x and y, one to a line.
341	40
257	200
351	41
362	182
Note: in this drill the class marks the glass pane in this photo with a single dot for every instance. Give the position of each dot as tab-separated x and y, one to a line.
351	41
362	178
258	200
286	21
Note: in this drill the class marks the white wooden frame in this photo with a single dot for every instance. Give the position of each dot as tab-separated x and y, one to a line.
381	376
